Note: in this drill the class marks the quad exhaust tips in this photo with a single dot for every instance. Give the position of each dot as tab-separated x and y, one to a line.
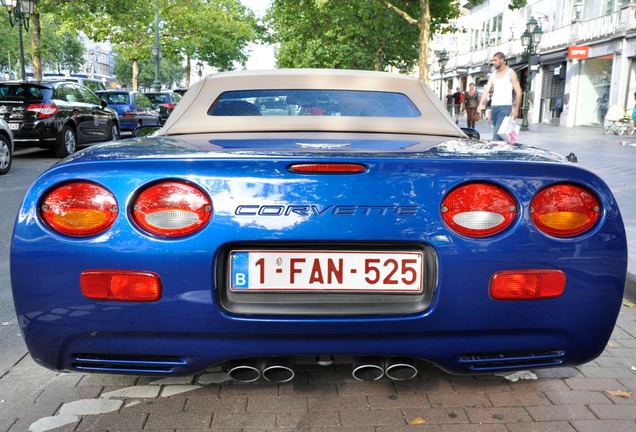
273	370
372	369
280	370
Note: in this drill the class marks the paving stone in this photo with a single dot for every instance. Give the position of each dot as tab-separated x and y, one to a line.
348	402
459	399
308	419
498	415
555	426
372	417
168	420
517	398
614	412
216	404
559	413
604	425
107	422
581	397
276	404
438	415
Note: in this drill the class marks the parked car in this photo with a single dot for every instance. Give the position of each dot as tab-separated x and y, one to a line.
360	225
165	102
133	108
60	115
6	147
91	83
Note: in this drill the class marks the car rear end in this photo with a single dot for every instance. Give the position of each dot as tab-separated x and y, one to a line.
30	111
379	249
123	103
164	102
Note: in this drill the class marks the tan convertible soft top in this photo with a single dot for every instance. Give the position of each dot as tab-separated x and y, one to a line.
191	114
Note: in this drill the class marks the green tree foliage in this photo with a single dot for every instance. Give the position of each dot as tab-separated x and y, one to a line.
171	72
352	34
216	32
60	49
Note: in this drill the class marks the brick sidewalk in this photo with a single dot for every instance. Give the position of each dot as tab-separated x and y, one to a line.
598	396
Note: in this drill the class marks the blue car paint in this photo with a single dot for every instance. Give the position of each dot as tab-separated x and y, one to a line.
189	329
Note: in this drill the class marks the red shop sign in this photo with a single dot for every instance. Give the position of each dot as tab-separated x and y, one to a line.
578	52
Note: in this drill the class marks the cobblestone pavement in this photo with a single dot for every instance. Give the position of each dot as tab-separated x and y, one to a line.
599	396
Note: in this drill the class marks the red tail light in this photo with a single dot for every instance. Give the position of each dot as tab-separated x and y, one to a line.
169	106
565	210
44	110
79	209
327	168
129	114
478	209
120	285
527	284
172	209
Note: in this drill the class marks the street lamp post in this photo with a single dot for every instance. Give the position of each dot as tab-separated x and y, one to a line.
530	39
19	12
156	52
200	69
443	61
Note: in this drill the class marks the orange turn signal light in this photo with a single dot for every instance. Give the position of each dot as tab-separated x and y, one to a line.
121	285
527	284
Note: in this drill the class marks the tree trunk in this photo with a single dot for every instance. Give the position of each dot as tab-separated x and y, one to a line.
188	69
36	60
135	74
424	27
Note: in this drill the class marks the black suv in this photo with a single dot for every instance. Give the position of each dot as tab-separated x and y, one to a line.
59	115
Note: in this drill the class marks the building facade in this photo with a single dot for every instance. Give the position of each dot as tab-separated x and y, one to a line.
584	63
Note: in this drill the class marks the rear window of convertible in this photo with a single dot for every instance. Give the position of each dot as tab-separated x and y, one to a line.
346	103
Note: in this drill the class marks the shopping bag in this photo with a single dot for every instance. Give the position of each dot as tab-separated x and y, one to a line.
509	130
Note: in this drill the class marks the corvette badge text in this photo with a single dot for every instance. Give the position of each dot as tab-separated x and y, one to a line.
315	210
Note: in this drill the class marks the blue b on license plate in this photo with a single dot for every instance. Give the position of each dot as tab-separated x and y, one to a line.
326	270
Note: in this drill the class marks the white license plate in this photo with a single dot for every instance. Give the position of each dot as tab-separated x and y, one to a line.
14	126
329	270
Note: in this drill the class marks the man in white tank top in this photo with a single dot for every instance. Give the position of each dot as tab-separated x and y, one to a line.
503	81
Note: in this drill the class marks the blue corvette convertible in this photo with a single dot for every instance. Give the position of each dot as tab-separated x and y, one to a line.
298	216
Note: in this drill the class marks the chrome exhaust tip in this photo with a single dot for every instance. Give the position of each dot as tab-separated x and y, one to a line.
244	371
276	371
368	369
399	369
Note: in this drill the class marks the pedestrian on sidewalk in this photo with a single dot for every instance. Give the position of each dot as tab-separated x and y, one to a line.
457	102
449	101
471	102
503	81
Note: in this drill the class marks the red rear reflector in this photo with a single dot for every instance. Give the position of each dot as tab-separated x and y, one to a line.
121	285
172	209
478	209
327	168
44	110
129	114
565	210
79	209
527	284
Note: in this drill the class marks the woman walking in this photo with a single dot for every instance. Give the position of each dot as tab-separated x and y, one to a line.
471	102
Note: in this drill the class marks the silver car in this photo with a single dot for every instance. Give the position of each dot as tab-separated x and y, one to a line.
6	147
